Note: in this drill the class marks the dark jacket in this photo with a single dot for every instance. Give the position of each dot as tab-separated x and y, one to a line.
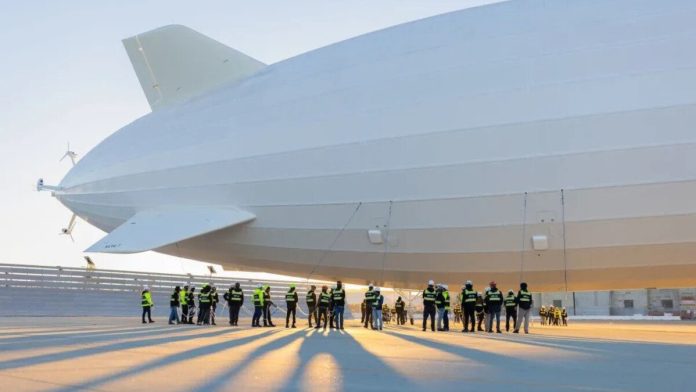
494	300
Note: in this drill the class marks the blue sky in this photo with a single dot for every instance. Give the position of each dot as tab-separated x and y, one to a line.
64	76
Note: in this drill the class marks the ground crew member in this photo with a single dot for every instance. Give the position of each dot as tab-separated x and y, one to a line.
524	303
147	304
442	303
480	311
267	303
557	316
214	299
468	300
190	300
564	317
183	294
311	300
235	299
377	303
257	296
331	309
362	311
486	313
542	314
324	299
494	302
291	300
400	306
174	306
510	310
429	296
204	303
369	297
339	303
448	306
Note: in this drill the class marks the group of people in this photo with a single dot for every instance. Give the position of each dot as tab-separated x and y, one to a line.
477	307
553	315
479	311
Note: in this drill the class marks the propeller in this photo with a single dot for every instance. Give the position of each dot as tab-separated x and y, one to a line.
69	154
68	230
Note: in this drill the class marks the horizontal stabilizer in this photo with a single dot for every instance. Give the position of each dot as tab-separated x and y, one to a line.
152	229
174	63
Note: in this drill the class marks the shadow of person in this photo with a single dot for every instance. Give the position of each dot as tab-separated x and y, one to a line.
166	361
354	364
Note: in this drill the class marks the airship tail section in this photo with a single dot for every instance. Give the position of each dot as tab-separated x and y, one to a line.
155	228
174	63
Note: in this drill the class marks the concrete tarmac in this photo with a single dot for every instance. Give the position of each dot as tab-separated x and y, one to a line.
119	354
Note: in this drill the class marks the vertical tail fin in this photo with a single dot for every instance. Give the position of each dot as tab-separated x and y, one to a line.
174	63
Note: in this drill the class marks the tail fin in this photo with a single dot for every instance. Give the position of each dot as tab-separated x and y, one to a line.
174	63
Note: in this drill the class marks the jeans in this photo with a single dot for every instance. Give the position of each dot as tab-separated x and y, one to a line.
338	315
440	316
174	314
489	320
377	318
255	320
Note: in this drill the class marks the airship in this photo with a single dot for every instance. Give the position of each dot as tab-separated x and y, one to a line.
551	142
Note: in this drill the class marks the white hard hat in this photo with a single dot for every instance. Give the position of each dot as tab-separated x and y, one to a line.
146	287
444	286
468	282
375	289
258	286
431	282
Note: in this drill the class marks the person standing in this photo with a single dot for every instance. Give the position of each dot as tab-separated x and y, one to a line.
311	299
542	314
525	304
324	299
369	297
235	299
377	303
183	294
429	296
291	300
446	300
440	306
468	300
480	311
257	296
214	299
339	303
510	310
147	304
564	317
267	303
174	306
190	300
331	309
204	302
400	306
362	311
494	302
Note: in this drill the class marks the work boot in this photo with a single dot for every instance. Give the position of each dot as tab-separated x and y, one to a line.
144	322
294	326
516	331
152	321
499	331
423	329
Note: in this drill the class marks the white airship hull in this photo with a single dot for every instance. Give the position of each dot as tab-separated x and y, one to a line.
458	137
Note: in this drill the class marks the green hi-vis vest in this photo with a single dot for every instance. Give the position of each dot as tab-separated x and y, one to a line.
525	296
400	305
235	295
375	303
310	297
203	298
258	297
182	297
429	295
324	298
510	301
446	296
369	296
290	296
337	294
494	296
146	299
469	296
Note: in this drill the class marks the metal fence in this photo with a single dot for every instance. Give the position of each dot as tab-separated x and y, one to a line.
32	290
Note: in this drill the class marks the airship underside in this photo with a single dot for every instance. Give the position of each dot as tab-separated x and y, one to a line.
550	142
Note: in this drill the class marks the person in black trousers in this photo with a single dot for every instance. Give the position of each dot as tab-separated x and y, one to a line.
468	300
235	299
291	300
429	295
